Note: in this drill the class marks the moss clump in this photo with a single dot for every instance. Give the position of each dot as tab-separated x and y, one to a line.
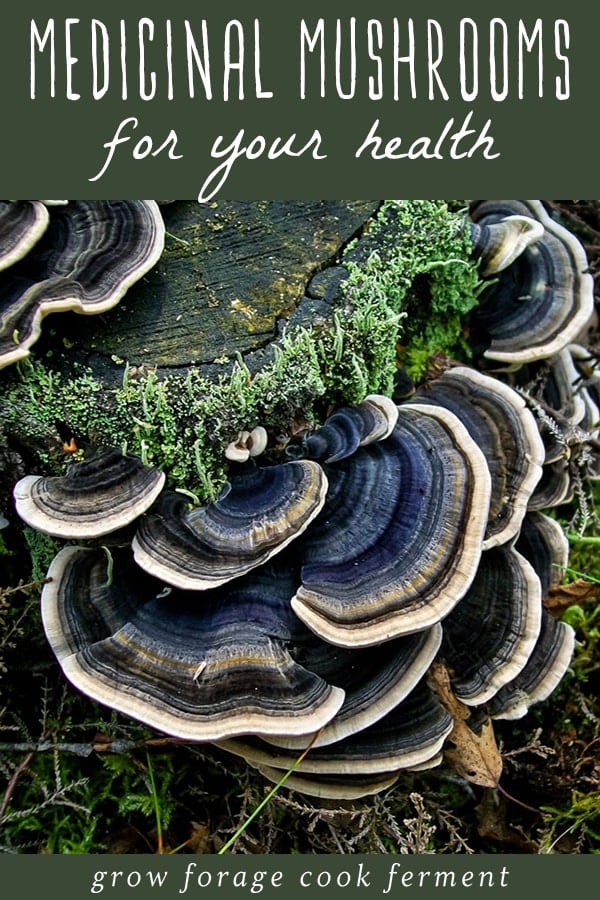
410	278
42	550
421	267
179	424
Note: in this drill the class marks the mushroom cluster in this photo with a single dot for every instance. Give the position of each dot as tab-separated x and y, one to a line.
307	603
58	255
533	326
540	296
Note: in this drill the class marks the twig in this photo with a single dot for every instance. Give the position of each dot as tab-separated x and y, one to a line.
13	782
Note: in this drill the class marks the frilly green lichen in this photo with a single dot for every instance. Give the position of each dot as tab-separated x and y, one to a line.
421	268
410	282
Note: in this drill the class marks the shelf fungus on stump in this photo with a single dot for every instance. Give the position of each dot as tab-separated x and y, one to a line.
305	606
424	492
98	495
498	420
196	666
85	260
540	302
260	512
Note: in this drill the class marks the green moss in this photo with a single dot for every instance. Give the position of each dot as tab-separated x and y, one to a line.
579	821
410	279
42	550
421	269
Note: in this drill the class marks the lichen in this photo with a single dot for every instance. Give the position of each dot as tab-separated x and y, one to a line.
421	268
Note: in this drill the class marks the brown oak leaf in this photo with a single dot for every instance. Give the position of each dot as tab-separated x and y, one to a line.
474	756
562	596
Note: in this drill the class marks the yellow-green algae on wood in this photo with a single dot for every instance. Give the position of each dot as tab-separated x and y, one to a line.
410	280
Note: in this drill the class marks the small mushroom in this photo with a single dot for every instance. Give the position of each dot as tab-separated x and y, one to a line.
498	420
399	539
247	444
497	244
199	667
85	261
99	494
542	300
264	509
351	427
490	635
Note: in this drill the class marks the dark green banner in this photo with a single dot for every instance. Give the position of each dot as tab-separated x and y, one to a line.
355	877
257	100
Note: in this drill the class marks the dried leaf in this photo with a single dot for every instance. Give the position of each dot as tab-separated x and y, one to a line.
475	756
563	596
199	840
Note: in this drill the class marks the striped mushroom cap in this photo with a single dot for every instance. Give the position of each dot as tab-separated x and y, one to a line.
98	495
409	735
331	787
197	666
22	223
544	543
399	539
262	510
498	420
551	388
349	428
545	668
496	244
490	635
88	256
374	680
305	606
542	300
